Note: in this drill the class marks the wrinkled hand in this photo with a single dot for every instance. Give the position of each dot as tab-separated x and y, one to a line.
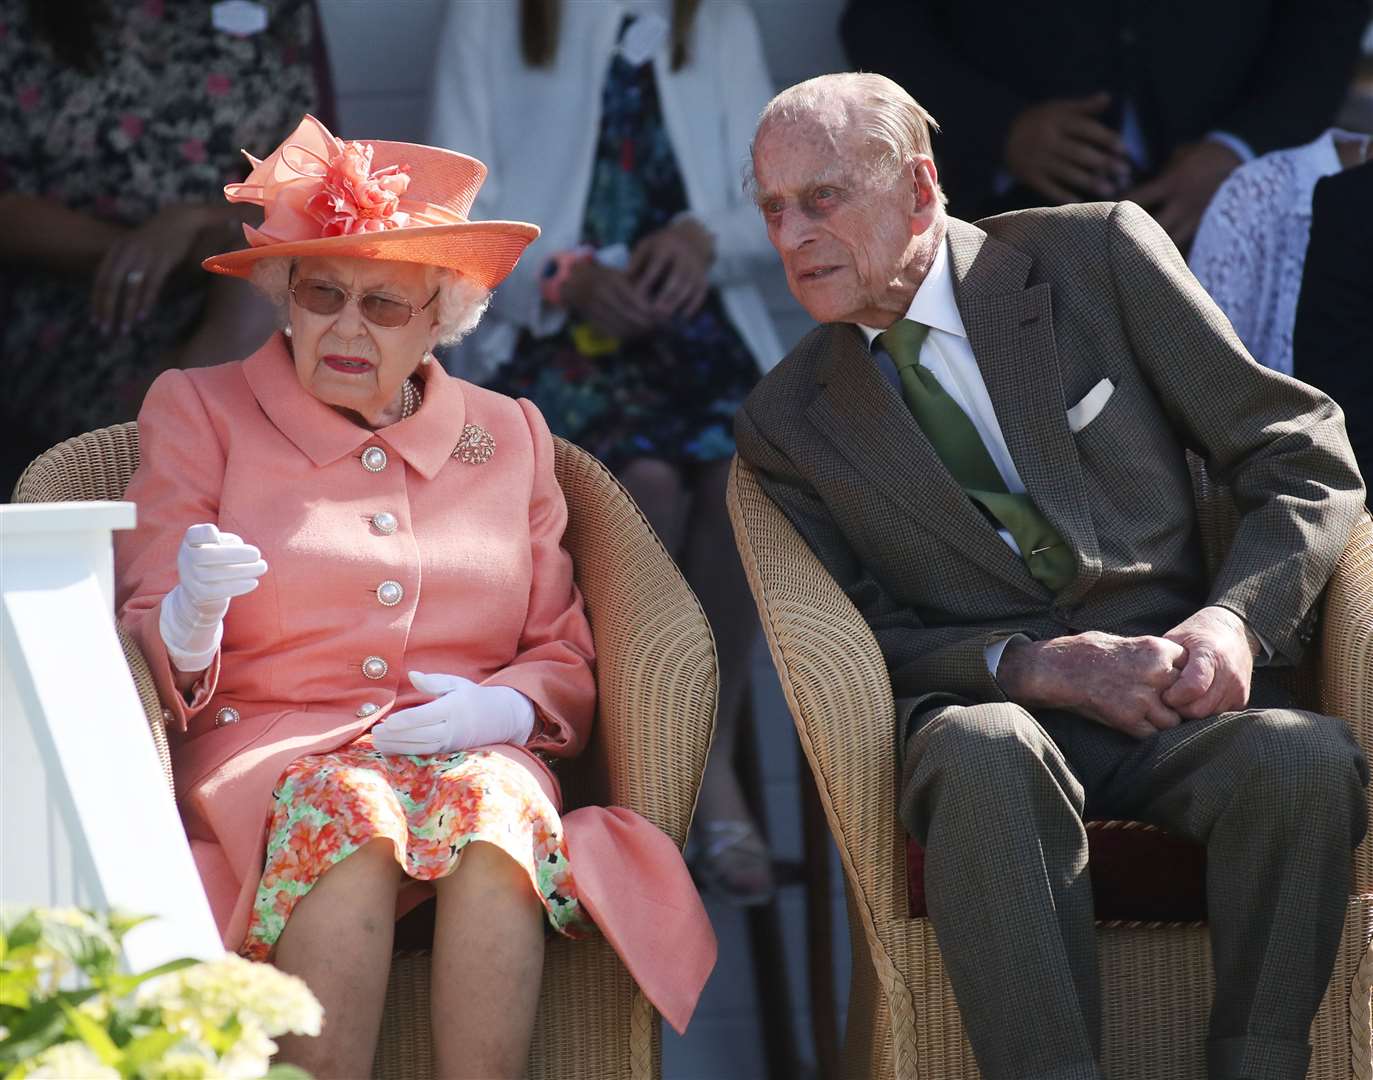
131	275
671	268
212	568
1220	664
608	299
1116	681
1179	195
1062	151
464	714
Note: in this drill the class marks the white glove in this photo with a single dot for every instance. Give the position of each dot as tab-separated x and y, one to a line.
463	715
213	567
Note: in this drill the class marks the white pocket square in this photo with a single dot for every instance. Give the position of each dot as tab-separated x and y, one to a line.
1086	410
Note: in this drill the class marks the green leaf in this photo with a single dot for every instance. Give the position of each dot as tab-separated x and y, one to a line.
287	1072
120	985
121	922
149	1048
21	928
93	1035
222	1039
13	992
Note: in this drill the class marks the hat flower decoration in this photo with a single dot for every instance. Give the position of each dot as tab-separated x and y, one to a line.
400	202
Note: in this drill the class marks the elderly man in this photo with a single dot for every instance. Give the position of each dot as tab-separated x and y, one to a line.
984	444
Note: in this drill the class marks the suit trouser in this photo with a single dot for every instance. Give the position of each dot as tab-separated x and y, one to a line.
997	797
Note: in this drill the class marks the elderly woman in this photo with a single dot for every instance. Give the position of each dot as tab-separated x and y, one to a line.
348	581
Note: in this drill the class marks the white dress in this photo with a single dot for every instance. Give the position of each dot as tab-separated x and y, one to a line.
1250	248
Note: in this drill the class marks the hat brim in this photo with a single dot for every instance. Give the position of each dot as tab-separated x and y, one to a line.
485	251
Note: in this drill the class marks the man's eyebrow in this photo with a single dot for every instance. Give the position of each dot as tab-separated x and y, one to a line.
835	178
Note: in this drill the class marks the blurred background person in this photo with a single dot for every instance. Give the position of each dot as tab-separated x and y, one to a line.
1081	100
120	123
1332	344
634	323
1252	242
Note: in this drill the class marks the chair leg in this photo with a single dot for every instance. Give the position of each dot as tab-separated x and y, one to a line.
815	848
766	944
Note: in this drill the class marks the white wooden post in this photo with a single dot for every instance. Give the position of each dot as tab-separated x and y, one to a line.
85	812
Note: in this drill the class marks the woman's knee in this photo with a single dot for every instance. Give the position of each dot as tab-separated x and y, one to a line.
489	869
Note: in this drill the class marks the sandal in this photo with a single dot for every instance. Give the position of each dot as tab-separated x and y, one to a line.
726	848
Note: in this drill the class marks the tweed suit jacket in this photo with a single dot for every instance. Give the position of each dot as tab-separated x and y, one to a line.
1054	301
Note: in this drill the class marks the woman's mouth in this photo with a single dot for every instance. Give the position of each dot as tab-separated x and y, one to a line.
348	365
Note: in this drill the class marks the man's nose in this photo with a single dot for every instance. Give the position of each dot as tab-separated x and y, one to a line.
793	232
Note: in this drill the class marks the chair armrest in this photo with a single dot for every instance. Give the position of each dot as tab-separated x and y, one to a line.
655	658
838	690
147	697
1346	658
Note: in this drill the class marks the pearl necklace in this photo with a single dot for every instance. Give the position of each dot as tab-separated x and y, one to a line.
410	398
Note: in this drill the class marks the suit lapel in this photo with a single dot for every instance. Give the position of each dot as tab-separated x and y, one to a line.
1010	328
866	420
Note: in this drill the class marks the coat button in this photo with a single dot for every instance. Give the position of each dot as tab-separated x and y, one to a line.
385	522
374	459
389	593
225	716
374	667
368	709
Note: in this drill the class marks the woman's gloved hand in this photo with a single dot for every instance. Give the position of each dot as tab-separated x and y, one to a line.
462	715
213	567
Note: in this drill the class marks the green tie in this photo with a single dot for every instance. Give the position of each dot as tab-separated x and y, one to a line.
965	455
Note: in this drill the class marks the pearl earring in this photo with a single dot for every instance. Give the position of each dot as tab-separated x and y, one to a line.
286	330
426	358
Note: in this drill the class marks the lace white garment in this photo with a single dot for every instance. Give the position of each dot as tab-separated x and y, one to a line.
1251	245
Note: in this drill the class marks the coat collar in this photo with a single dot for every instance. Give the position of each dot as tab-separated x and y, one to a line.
425	440
1010	329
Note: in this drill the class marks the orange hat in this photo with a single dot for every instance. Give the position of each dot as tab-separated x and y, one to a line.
401	202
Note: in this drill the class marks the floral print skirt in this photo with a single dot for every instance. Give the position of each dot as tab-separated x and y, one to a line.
430	807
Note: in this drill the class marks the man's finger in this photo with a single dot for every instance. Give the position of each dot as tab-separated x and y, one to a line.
1055	191
1195	680
1079	179
1161	717
1092	103
1083	129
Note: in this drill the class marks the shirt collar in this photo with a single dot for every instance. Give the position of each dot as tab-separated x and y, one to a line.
425	440
934	303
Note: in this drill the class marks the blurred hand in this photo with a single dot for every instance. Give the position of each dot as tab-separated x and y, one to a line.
608	299
130	277
1117	681
670	267
1179	195
1060	150
1220	664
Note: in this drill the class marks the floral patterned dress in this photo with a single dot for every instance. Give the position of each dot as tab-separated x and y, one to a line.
430	807
671	395
160	120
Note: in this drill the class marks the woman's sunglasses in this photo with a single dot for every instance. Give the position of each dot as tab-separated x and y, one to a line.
326	298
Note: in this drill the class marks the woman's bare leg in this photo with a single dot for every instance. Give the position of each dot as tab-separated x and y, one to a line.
338	939
487	967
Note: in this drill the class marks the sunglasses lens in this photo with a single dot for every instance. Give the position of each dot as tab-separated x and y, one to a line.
383	311
319	297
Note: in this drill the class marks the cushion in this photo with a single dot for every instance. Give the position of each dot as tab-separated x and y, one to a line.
1139	874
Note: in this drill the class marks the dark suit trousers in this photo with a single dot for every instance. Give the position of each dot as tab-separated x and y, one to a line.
998	798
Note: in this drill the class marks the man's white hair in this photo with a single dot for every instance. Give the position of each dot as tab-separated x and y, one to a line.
896	125
461	301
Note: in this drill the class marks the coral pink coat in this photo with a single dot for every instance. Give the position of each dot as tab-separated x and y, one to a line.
487	592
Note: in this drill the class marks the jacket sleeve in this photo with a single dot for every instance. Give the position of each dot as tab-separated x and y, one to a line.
553	664
1279	444
1296	84
921	659
739	66
177	484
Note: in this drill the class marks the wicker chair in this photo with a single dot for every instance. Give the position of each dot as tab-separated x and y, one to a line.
1156	977
656	678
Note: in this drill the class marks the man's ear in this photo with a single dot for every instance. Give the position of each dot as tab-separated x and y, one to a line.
925	183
